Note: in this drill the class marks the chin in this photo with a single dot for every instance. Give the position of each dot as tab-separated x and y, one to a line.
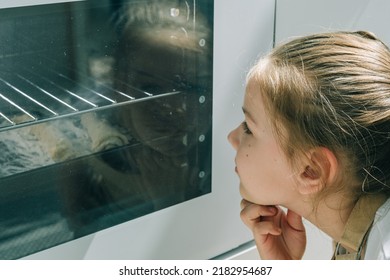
244	194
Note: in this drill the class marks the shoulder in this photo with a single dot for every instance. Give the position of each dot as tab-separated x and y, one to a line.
378	243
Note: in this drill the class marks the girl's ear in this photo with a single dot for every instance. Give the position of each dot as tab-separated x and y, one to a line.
319	170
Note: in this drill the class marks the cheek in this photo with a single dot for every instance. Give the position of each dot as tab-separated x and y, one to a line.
262	164
244	154
249	163
247	150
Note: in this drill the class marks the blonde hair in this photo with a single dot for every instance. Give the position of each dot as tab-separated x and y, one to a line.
332	90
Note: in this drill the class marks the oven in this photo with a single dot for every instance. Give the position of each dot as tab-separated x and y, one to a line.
113	123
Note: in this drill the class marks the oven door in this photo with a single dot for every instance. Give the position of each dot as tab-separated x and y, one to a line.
145	171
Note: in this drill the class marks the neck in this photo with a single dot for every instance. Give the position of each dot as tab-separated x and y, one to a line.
330	215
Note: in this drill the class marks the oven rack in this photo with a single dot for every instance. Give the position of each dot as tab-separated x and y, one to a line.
34	94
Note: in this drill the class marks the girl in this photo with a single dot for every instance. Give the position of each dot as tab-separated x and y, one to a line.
315	141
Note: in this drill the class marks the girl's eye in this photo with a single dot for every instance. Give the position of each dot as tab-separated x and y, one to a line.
246	128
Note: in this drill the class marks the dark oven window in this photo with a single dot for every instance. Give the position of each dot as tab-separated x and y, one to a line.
105	115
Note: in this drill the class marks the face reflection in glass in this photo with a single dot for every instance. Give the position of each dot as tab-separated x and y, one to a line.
163	61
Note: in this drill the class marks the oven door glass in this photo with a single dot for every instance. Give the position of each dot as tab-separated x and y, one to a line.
105	115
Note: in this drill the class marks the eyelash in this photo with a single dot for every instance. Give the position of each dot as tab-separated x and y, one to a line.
246	128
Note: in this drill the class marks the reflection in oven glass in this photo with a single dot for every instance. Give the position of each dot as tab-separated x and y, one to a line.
105	120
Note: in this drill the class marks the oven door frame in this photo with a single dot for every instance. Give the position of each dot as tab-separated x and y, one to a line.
207	226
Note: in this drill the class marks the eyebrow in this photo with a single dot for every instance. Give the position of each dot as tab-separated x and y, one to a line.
249	116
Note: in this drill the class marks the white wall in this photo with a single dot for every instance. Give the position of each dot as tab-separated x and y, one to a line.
300	17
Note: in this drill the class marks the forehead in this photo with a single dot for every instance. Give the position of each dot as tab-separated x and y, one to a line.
253	100
255	106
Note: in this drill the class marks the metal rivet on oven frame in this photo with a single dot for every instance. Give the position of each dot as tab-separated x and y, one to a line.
202	42
175	12
202	138
202	99
202	174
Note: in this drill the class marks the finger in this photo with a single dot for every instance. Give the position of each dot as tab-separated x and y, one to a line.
295	221
244	203
260	230
266	208
252	213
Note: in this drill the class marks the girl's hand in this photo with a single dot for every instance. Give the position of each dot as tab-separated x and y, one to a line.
278	236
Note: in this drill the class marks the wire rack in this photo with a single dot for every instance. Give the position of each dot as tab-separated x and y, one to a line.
37	93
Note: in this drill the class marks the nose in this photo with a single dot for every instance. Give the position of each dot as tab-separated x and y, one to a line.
234	139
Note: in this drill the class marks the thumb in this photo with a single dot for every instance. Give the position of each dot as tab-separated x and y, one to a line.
295	221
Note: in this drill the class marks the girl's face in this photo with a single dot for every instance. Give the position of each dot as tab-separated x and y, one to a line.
265	175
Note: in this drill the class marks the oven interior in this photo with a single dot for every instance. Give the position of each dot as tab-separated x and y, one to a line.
105	115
